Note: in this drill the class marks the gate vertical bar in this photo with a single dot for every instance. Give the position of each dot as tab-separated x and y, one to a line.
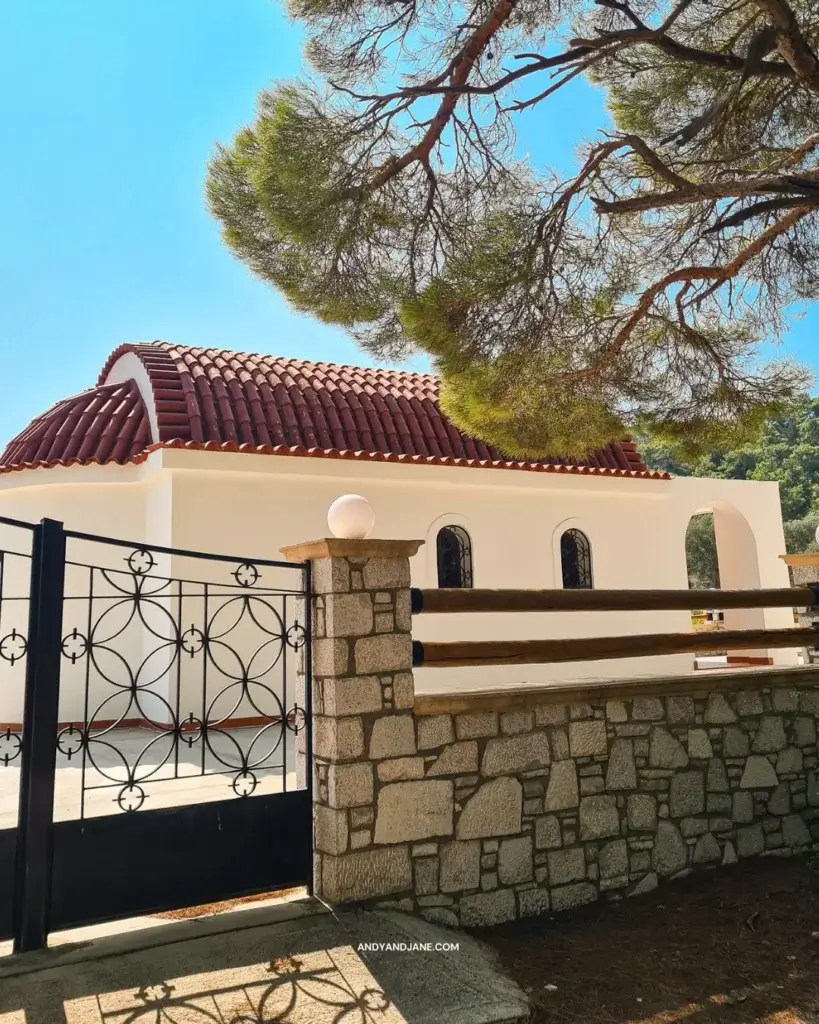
308	710
32	890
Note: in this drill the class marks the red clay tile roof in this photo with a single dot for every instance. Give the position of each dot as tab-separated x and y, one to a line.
108	423
227	401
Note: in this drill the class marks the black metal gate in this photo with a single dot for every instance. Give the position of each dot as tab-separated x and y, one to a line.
161	751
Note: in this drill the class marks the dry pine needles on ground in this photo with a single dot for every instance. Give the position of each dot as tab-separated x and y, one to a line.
737	945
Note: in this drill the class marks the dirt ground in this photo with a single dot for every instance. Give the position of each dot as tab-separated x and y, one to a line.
735	945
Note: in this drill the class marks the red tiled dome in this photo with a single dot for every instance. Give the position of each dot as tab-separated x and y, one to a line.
216	399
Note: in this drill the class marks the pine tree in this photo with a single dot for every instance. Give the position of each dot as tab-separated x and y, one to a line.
382	194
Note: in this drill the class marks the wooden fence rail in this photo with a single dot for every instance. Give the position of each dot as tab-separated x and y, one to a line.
533	652
447	601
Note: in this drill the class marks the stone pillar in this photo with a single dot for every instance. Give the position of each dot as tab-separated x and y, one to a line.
362	712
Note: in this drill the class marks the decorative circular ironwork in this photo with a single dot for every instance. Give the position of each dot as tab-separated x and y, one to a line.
296	636
246	575
244	783
13	647
191	730
74	646
140	561
131	797
70	740
10	746
296	719
234	701
192	641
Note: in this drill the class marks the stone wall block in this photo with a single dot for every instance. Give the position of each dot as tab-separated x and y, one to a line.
350	785
457	758
403	690
386	573
647	709
758	774
566	866
338	739
391	652
354	695
475	726
434	731
670	854
349	615
562	792
331	830
599	817
392	736
460	866
642	812
488	908
408	811
718	711
622	772
511	754
330	576
666	751
587	739
366	874
331	657
687	794
494	810
515	860
770	737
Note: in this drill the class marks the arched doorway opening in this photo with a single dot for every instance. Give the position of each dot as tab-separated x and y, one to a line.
721	553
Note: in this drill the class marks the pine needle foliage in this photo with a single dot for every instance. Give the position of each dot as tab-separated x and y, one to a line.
380	192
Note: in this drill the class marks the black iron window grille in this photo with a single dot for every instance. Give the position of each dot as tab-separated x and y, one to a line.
575	558
454	558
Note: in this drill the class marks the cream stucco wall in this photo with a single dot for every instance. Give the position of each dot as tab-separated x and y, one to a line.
252	505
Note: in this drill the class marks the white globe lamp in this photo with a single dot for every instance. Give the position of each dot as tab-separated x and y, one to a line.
816	535
351	517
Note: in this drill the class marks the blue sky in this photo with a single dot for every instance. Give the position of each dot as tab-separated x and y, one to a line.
109	112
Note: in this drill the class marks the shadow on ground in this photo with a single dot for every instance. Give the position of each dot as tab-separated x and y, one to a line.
293	964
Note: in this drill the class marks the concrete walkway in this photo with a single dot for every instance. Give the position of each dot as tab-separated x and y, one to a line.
294	963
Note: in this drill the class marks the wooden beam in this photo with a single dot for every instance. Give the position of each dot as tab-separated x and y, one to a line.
456	600
541	652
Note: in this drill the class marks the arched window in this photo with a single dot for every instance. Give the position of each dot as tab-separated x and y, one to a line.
575	557
454	557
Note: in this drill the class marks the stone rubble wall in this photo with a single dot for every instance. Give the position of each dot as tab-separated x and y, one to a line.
556	806
477	818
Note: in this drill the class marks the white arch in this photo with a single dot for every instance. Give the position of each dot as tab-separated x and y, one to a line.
738	564
130	367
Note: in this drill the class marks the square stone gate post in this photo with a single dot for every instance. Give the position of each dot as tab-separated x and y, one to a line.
362	710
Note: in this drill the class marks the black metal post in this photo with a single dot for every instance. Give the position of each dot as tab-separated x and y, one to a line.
308	710
32	889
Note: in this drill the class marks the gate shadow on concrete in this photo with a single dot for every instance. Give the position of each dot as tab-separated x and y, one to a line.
290	964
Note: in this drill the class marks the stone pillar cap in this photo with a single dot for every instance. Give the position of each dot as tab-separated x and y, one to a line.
339	547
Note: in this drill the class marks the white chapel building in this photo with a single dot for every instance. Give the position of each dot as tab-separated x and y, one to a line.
242	454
